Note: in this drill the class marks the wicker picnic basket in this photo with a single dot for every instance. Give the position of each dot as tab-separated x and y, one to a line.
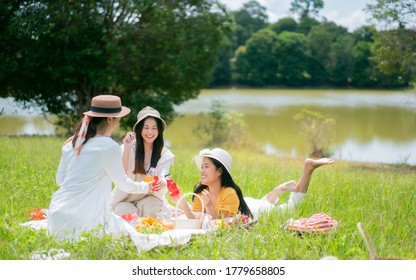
185	223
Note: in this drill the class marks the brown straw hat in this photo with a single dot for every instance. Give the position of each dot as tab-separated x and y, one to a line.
107	106
148	112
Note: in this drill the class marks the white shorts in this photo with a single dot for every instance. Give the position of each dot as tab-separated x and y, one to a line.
258	206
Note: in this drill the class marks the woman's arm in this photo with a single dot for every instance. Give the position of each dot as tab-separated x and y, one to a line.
226	204
60	174
183	204
163	168
114	168
209	206
185	207
128	143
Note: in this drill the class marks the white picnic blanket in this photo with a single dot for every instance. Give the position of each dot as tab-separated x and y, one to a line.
144	242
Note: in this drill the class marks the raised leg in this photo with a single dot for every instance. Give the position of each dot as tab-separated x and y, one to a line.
309	166
285	187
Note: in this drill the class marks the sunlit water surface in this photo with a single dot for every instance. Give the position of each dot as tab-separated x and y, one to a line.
371	126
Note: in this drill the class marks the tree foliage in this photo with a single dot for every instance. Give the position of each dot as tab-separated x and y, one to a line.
339	65
321	38
306	24
222	73
256	63
58	54
330	55
364	74
219	128
394	52
149	52
306	8
292	69
318	128
284	24
395	46
392	14
249	19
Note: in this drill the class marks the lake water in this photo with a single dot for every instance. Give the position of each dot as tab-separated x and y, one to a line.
371	126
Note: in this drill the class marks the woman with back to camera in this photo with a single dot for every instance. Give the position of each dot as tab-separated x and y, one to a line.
91	161
144	150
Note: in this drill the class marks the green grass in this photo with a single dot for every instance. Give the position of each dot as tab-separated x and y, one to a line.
382	197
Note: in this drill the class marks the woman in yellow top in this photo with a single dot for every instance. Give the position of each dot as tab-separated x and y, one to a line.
222	197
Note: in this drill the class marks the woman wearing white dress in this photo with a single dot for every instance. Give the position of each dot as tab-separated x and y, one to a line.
91	161
144	150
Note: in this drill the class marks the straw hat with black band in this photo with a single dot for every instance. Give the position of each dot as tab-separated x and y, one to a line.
107	106
102	106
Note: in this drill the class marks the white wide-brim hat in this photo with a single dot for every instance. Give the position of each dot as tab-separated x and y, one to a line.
149	112
219	154
107	106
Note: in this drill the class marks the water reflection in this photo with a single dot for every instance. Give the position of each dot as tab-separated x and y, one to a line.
375	126
268	101
17	120
377	150
370	126
18	125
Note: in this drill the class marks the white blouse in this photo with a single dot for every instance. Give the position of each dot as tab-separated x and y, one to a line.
162	169
83	199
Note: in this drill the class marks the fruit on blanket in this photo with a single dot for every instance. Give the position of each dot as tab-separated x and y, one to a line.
151	225
238	220
218	222
37	214
241	219
147	220
129	217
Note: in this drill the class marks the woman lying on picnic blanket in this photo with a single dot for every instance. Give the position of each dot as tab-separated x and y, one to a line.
223	198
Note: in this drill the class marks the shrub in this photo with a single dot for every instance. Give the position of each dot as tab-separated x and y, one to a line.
318	128
219	128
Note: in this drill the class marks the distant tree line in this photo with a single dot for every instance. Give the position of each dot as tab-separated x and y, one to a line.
59	54
307	52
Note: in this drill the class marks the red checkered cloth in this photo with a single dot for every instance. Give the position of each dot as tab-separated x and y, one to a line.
318	223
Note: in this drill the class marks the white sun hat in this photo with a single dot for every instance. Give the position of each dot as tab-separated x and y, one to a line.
149	112
219	154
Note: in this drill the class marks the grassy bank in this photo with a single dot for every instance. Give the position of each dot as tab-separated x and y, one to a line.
382	197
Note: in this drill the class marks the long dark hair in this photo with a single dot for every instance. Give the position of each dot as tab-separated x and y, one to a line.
91	131
227	182
158	145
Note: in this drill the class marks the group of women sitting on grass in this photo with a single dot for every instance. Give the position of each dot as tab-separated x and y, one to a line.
92	161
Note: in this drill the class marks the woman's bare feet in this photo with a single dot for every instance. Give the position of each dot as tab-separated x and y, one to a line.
289	186
312	164
302	185
308	168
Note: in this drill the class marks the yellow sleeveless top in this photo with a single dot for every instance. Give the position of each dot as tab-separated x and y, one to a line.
227	203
